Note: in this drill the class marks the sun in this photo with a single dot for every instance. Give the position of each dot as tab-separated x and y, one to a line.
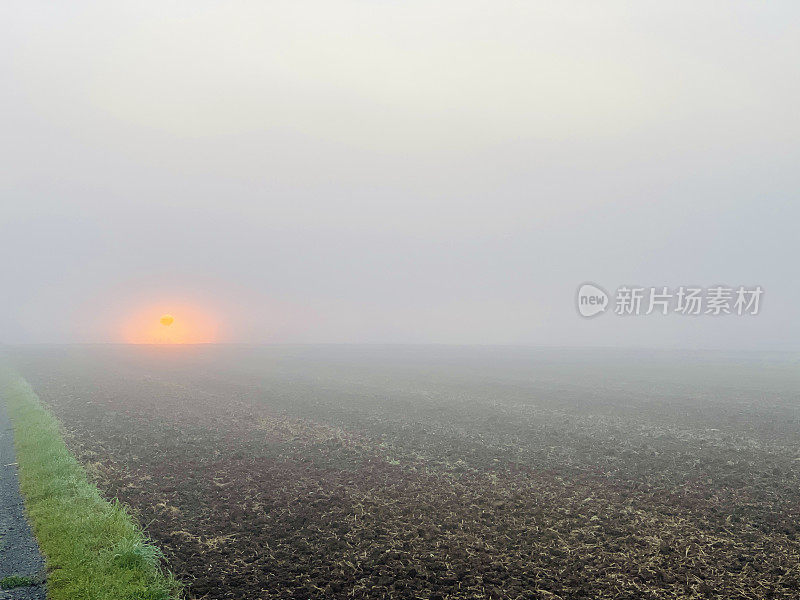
171	322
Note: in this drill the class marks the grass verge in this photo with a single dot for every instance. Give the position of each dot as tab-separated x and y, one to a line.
93	548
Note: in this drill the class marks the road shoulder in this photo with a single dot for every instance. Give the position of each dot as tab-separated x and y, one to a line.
19	553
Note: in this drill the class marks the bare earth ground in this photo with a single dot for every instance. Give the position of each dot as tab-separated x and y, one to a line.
444	473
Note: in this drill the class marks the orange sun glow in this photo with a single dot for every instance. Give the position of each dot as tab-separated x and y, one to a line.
183	324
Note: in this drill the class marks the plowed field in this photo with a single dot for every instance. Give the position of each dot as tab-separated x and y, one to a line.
449	473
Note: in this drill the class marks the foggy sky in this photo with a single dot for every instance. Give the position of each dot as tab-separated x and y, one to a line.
399	172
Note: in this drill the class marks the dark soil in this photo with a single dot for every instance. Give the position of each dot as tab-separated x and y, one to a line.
307	476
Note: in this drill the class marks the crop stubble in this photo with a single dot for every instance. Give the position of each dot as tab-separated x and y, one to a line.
265	488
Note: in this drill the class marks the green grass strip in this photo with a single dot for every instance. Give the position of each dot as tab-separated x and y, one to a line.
93	548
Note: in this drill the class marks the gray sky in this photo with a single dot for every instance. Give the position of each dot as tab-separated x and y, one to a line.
397	171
